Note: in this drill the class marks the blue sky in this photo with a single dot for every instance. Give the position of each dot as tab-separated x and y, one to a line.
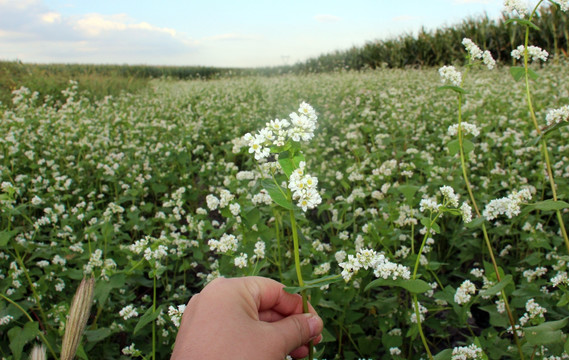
213	32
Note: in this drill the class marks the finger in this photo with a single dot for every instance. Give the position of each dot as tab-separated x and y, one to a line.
270	316
269	294
294	331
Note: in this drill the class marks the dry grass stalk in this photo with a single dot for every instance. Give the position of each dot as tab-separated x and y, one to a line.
77	318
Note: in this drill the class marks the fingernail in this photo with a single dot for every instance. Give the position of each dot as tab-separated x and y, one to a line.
313	324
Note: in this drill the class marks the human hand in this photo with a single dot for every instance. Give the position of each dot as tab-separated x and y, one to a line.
246	318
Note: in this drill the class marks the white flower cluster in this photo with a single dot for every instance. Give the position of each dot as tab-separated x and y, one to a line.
450	74
533	310
128	312
467	128
370	259
176	314
509	206
515	5
422	311
563	4
535	52
560	278
450	198
475	53
303	187
276	132
5	320
240	261
557	115
225	197
467	352
227	243
464	292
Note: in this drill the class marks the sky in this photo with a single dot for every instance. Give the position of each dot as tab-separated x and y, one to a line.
220	33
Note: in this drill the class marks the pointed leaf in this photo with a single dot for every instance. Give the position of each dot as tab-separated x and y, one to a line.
19	337
148	317
456	89
546	333
316	283
498	287
523	22
416	286
517	72
276	193
549	205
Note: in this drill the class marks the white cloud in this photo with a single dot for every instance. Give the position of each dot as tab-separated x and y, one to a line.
326	18
32	32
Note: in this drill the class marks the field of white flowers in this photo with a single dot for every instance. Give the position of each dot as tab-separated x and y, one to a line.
156	194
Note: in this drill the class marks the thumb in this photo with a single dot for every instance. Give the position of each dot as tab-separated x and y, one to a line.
297	330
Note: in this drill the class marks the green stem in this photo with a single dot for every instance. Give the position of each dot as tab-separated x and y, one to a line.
40	333
299	273
418	316
154	322
543	142
32	287
484	231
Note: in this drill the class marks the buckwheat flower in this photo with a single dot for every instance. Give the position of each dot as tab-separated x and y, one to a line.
36	200
176	314
500	306
260	249
307	110
473	49
235	209
509	206
563	4
450	74
422	311
227	243
466	212
131	350
476	272
556	116
240	261
429	205
464	292
534	310
467	352
5	320
394	351
534	52
466	127
450	196
515	6
212	202
488	60
560	278
128	312
531	275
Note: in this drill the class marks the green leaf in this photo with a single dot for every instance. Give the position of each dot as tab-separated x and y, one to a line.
546	333
313	284
416	286
6	236
517	72
456	89
94	336
19	337
148	317
444	355
549	205
475	223
408	191
276	193
288	163
523	22
498	287
454	146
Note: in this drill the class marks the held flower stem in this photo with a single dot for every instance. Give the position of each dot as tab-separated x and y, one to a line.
298	272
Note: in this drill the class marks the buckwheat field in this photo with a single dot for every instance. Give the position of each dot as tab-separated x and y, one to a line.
421	212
